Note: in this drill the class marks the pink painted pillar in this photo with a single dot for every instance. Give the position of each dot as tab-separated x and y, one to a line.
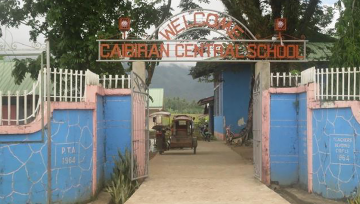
91	92
139	136
265	124
310	98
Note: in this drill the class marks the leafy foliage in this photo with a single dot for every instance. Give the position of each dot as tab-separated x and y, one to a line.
23	66
346	51
304	17
307	18
295	72
121	186
178	105
73	27
355	199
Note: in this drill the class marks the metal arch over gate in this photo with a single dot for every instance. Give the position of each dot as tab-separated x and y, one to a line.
139	127
231	41
212	18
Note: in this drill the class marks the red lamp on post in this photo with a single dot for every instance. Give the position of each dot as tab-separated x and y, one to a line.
280	25
124	25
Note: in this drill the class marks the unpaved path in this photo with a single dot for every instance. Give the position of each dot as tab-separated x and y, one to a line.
216	174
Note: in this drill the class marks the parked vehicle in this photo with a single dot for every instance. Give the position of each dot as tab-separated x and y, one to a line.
161	128
231	138
182	129
204	131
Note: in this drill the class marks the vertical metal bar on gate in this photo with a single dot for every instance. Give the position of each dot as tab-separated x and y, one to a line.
132	127
139	128
147	146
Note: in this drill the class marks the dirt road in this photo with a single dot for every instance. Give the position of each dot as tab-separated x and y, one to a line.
216	174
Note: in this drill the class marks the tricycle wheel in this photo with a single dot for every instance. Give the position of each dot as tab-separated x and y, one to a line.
194	150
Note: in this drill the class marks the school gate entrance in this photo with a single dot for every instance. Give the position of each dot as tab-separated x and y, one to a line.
228	40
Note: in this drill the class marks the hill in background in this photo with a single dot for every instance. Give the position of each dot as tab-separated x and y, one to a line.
177	82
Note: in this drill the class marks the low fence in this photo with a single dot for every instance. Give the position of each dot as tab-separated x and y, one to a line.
116	82
67	85
21	108
10	114
337	84
331	84
284	79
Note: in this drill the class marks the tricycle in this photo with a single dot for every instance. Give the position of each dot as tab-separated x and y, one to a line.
161	126
182	129
181	137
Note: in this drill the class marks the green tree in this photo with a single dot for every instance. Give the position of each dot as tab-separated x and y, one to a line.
304	17
346	51
73	27
178	105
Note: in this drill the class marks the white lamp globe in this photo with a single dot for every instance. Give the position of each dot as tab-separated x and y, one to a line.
280	24
124	24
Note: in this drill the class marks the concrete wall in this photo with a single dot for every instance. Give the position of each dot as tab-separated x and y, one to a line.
101	139
86	137
236	96
336	161
219	130
23	173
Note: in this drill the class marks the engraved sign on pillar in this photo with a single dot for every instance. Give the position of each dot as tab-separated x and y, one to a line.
342	149
66	154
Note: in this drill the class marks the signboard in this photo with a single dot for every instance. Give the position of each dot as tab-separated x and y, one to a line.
193	51
231	41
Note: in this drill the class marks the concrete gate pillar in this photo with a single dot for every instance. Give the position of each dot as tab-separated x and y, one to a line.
262	82
139	69
264	69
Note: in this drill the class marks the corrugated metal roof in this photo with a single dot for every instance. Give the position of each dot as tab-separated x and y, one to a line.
7	82
157	94
319	51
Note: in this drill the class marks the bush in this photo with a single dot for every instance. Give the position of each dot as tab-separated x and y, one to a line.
121	187
355	199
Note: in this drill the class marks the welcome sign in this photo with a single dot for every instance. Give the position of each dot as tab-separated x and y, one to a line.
236	43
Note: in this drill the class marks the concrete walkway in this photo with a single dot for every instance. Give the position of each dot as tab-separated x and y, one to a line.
215	174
